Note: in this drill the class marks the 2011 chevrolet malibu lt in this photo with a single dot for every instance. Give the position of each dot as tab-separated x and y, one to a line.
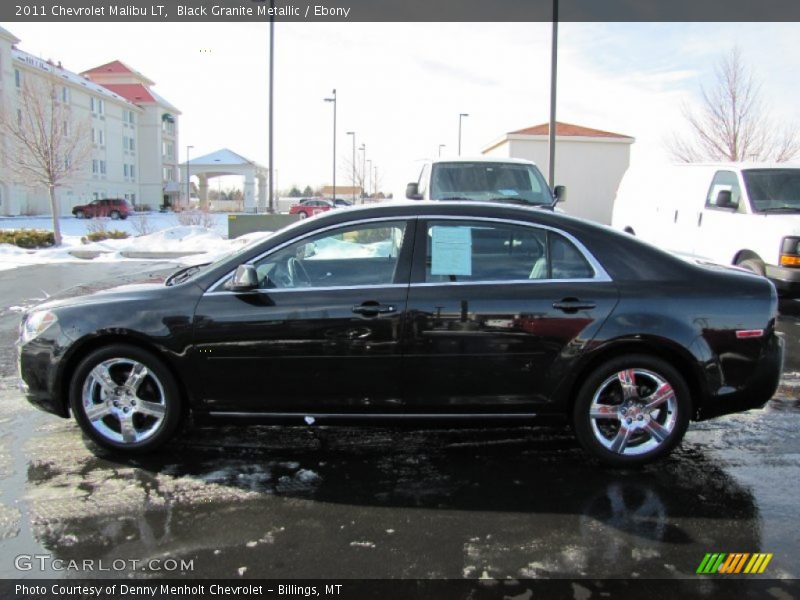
472	312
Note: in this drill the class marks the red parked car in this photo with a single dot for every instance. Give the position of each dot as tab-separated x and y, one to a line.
310	207
116	208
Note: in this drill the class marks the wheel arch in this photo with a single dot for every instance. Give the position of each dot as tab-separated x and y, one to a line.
680	358
83	348
745	255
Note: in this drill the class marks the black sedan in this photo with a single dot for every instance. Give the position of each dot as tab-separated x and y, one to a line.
470	312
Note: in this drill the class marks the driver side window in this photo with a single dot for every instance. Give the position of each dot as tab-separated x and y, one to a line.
356	255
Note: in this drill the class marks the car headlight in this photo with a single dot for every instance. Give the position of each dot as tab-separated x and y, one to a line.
35	324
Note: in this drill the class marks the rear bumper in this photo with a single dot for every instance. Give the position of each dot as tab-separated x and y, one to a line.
786	280
760	388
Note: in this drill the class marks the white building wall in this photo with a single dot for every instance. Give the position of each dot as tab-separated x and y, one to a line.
135	174
591	168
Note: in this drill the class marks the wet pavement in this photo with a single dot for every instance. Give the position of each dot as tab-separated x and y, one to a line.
388	503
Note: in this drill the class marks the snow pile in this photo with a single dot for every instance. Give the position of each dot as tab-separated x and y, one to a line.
188	244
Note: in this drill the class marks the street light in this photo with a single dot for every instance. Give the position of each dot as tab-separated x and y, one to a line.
369	187
188	180
551	134
363	148
333	99
440	148
460	116
353	133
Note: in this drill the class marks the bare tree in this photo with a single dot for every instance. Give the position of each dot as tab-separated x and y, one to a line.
732	122
347	171
47	144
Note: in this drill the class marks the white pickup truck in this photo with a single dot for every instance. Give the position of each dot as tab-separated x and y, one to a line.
484	179
728	213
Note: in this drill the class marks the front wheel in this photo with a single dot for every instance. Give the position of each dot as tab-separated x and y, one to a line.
79	214
303	215
632	410
125	399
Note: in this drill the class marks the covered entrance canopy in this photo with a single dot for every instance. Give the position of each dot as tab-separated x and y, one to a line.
227	162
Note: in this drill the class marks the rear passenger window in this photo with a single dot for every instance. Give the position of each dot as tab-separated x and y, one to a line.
477	251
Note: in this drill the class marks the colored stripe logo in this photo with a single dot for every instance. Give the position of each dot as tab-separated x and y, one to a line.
734	563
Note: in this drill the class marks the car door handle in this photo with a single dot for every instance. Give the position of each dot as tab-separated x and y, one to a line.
570	305
373	308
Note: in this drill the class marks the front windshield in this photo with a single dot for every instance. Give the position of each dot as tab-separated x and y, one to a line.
489	181
773	190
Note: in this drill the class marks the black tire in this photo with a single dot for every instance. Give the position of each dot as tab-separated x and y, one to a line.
160	431
114	214
672	417
303	215
79	214
756	265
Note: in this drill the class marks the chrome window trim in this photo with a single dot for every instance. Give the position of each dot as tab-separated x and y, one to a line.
600	274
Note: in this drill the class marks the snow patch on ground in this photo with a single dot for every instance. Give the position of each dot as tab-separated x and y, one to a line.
207	245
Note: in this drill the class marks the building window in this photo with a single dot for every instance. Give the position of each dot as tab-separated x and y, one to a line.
125	170
93	104
101	136
100	107
96	196
102	167
133	172
18	78
94	166
133	198
132	144
130	117
65	95
167	174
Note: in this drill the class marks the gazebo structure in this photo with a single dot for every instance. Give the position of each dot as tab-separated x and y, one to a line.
226	162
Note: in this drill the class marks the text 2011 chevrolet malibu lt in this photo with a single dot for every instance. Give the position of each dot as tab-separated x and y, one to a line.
470	312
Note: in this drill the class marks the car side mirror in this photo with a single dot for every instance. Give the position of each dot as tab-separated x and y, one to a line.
412	191
244	279
725	200
560	193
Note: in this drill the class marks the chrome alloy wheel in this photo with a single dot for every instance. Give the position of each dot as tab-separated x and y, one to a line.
123	400
633	412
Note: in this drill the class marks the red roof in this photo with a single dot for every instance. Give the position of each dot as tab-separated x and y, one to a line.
115	66
133	92
567	130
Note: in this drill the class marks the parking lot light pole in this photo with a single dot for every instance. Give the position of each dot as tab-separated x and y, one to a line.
353	133
363	148
440	148
333	99
460	117
188	179
551	134
369	187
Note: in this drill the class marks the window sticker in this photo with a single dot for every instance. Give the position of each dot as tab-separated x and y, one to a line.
451	251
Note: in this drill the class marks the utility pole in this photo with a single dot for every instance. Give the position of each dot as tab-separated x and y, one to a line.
333	99
551	138
270	193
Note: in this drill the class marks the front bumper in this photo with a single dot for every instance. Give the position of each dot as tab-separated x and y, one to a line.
760	387
37	365
786	280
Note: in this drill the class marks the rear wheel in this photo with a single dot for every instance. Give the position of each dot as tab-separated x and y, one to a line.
79	214
125	399
303	215
632	410
756	265
114	214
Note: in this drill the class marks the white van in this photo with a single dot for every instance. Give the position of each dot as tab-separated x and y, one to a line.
745	214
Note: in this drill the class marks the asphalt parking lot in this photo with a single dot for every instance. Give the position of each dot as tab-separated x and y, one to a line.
389	503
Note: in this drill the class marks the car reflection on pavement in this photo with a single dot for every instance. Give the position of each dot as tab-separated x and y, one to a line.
388	503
